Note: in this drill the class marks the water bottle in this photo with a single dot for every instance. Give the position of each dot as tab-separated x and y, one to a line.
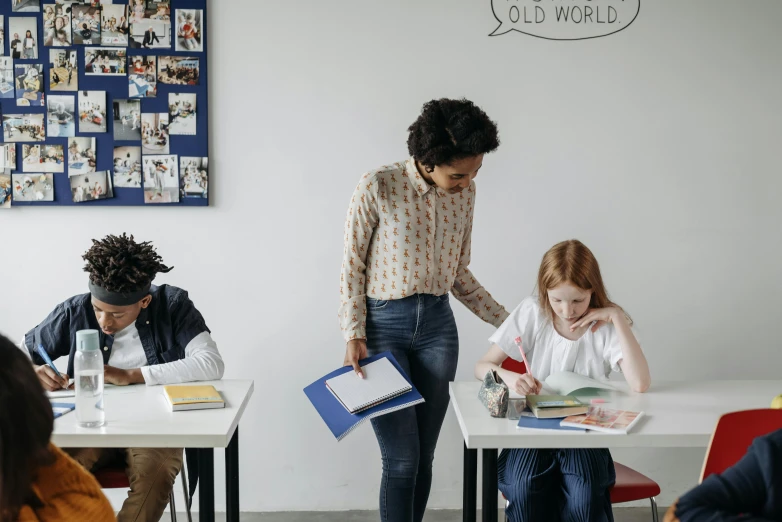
88	367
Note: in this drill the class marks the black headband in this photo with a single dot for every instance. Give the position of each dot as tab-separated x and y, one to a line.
116	298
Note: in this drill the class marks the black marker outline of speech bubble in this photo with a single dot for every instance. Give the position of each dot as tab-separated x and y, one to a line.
558	39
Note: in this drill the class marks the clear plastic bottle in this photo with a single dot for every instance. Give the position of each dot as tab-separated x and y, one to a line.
88	369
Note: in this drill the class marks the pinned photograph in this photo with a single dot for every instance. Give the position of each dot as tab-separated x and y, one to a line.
161	179
142	77
194	178
24	41
29	85
86	24
33	187
92	111
2	35
188	30
159	8
127	167
23	127
31	158
5	190
91	187
115	26
6	78
182	114
178	70
63	72
150	25
57	25
8	156
154	133
127	120
138	11
105	61
26	6
81	156
43	158
61	118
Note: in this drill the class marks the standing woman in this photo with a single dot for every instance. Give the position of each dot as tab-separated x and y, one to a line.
407	244
29	46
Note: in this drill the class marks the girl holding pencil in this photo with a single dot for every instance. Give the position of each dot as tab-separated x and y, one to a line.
571	325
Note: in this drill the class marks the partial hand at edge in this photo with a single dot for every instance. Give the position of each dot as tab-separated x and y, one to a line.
355	350
49	379
670	515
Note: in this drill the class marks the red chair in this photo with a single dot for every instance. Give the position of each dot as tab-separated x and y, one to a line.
114	477
733	436
630	485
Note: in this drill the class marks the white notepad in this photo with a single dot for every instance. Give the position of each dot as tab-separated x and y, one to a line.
381	382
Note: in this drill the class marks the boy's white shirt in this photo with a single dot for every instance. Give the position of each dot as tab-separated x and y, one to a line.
594	354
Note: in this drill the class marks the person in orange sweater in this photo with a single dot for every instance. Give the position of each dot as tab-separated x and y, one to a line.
38	481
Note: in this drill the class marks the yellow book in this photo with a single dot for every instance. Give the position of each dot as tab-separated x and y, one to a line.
182	398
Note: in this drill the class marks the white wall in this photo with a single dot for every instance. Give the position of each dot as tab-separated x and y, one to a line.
657	146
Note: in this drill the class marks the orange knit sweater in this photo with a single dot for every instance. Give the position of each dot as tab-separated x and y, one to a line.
68	493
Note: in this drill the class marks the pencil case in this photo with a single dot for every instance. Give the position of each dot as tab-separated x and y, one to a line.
494	394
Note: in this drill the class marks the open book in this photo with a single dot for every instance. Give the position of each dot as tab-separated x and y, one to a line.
569	383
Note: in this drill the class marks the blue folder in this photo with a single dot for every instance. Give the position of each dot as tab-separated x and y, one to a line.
339	420
544	424
61	408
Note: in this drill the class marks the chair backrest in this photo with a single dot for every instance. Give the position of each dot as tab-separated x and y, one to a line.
513	365
733	436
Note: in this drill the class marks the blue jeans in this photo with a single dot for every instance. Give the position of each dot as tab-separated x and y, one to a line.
568	485
421	333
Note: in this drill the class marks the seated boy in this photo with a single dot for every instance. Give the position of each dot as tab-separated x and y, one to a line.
149	334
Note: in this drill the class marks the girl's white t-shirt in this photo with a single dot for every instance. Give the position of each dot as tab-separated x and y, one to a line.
594	354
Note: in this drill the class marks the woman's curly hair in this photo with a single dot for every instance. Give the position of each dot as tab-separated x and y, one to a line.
119	264
450	130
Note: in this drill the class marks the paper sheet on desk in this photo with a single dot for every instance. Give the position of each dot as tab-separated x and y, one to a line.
71	392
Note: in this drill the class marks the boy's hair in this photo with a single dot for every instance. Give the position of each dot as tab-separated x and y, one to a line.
451	130
119	264
572	262
26	424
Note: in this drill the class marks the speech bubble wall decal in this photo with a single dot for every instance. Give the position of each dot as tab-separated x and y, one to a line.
564	19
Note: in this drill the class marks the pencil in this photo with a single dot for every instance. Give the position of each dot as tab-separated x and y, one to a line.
524	357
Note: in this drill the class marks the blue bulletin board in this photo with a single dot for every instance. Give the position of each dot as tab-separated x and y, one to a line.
152	66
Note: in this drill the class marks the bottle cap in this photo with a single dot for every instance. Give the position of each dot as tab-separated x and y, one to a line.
87	340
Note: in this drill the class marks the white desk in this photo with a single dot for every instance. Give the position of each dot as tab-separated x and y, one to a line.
677	415
139	416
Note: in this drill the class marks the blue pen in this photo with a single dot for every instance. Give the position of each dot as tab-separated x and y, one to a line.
47	360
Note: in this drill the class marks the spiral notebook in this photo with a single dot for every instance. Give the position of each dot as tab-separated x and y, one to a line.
336	415
382	382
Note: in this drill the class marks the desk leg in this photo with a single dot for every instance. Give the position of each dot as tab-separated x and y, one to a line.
470	485
232	478
206	485
489	485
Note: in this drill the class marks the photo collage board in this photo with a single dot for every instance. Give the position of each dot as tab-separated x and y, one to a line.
103	103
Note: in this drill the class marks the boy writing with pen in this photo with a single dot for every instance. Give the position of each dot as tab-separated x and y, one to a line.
148	334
